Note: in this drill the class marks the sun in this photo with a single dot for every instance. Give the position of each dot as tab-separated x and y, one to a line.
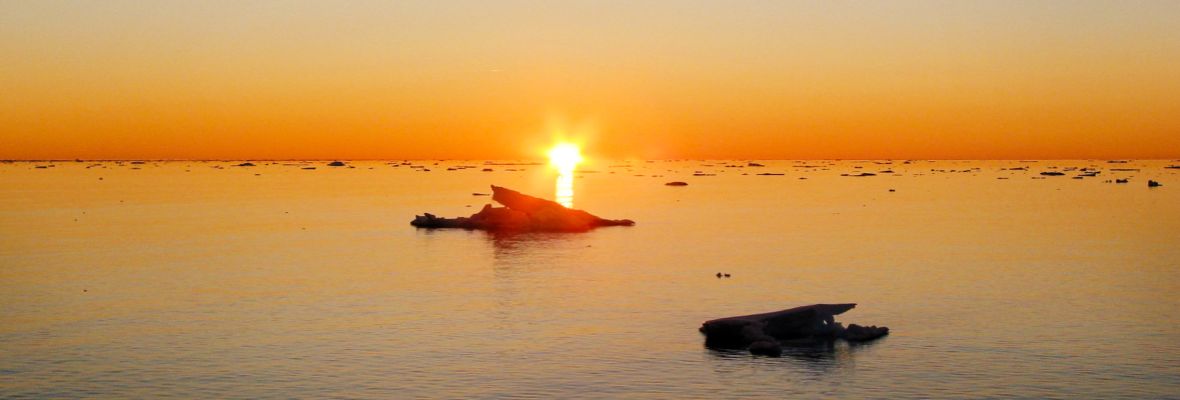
565	156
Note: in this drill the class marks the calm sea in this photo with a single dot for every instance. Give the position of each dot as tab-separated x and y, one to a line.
208	280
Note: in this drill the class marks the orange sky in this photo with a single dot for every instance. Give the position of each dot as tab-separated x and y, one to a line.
650	79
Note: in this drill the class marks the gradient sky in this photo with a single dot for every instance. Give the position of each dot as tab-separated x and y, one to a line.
651	79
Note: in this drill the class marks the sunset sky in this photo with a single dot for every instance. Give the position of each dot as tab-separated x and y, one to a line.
644	79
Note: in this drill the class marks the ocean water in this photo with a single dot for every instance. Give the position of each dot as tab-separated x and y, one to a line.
208	280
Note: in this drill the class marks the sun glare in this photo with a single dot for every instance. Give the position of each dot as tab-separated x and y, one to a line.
565	156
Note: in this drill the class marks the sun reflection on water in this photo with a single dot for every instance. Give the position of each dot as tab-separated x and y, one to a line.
565	157
565	188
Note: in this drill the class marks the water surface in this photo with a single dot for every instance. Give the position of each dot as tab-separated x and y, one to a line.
203	279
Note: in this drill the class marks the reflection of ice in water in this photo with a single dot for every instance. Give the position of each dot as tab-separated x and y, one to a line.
565	187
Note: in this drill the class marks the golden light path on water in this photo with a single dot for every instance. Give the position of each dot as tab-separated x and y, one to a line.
565	188
565	157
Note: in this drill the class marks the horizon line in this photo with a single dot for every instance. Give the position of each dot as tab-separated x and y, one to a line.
13	160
